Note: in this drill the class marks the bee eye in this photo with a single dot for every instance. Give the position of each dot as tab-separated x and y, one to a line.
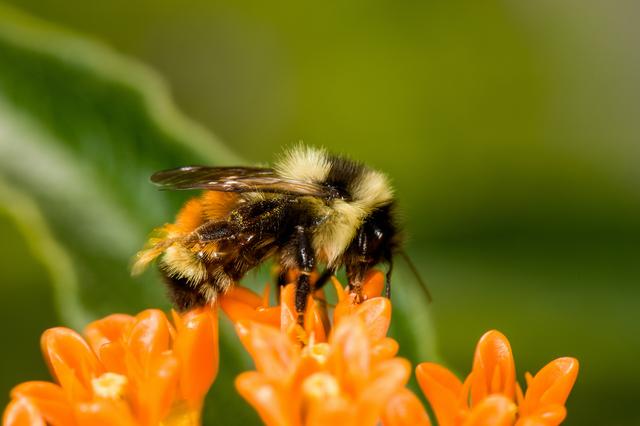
378	233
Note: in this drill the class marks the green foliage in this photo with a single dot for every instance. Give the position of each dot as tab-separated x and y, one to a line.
81	129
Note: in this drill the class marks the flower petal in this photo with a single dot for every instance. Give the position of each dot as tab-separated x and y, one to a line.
350	357
548	415
314	358
345	303
334	410
322	313
272	351
494	410
106	330
240	303
493	368
268	401
270	316
196	347
372	288
444	392
324	402
288	316
373	284
532	421
376	315
104	412
384	349
22	412
551	386
71	361
314	321
404	408
105	337
154	393
387	379
49	399
148	337
244	295
112	355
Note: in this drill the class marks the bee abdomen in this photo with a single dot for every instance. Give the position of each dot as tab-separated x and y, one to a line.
182	293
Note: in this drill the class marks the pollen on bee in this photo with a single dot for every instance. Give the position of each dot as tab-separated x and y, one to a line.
182	262
189	217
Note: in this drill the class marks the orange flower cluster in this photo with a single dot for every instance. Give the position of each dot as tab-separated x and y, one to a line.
349	375
491	396
346	374
338	369
129	371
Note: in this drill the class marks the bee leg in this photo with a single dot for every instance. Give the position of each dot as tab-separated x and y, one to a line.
357	265
324	278
387	285
213	231
355	277
305	259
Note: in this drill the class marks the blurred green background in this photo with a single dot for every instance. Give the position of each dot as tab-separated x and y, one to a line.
510	130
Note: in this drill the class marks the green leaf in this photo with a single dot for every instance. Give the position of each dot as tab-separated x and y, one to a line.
28	298
412	325
81	129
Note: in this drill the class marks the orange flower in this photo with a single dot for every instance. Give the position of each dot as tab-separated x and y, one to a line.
129	371
240	303
144	371
491	396
405	409
339	381
347	375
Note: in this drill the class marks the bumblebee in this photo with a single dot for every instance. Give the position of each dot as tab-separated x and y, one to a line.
312	208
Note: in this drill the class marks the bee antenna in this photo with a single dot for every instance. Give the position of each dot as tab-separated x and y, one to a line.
416	274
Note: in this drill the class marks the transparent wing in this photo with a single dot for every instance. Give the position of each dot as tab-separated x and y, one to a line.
236	179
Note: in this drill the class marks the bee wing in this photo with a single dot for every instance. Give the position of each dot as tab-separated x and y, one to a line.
236	179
